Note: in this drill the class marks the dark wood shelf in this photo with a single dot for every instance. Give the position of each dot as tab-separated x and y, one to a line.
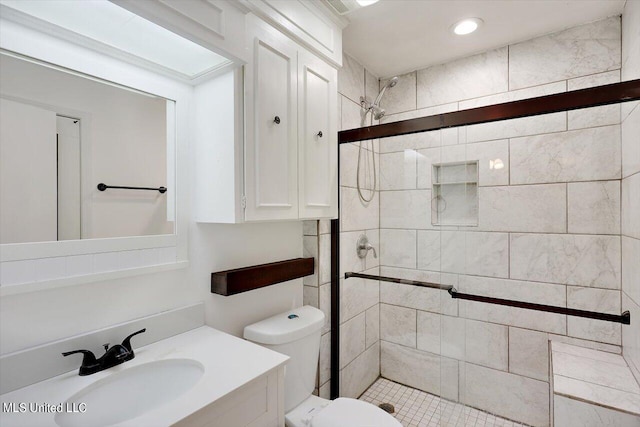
231	282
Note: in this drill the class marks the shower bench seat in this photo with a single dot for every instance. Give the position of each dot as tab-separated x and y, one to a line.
592	388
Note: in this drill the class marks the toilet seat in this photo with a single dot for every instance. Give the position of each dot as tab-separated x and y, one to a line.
346	412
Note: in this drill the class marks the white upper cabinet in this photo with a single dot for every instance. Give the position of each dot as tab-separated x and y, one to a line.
278	160
271	149
317	138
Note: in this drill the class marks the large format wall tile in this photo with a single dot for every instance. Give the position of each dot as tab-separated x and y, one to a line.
631	268
429	250
477	253
351	114
351	78
472	77
349	165
594	116
631	41
631	206
487	344
357	214
600	300
357	376
631	143
398	248
525	208
486	254
569	259
371	86
508	395
401	97
408	209
515	95
424	371
324	366
349	260
594	207
372	327
357	295
352	340
578	51
398	170
540	293
421	298
398	325
580	155
310	249
421	112
414	141
529	353
534	125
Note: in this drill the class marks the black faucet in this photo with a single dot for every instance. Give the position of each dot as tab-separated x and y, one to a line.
113	356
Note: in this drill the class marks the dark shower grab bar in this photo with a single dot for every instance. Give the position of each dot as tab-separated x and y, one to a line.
102	187
624	318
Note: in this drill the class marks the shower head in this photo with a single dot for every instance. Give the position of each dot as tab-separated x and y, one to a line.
378	112
390	83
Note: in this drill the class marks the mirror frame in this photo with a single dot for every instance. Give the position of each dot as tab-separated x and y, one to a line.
48	49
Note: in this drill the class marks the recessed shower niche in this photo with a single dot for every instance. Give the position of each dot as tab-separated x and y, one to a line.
455	194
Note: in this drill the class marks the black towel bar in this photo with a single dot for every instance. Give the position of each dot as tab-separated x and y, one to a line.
102	187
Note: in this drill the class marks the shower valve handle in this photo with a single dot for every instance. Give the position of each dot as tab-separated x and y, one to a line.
320	134
276	120
363	247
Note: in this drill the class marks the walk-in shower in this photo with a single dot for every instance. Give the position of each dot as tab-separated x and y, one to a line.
377	113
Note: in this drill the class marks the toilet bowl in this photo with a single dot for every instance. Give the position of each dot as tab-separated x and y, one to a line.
296	333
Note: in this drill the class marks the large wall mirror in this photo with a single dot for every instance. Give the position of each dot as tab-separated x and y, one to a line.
62	135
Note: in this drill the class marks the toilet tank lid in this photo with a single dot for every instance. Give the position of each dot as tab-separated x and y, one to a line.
286	327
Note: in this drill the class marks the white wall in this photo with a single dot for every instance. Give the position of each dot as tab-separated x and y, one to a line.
126	139
218	247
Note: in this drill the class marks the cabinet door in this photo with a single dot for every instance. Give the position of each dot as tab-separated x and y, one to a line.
271	143
317	138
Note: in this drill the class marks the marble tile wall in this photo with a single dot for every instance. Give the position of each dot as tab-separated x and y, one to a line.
630	196
359	303
555	223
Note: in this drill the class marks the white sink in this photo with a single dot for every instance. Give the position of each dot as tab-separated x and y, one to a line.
130	393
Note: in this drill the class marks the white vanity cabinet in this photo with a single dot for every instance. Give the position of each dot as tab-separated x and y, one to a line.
259	403
281	164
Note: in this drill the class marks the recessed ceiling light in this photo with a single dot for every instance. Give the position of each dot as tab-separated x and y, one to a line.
466	26
364	3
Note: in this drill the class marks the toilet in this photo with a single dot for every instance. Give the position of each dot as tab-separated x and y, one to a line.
296	333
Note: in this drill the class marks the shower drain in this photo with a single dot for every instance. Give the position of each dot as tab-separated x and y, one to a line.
387	407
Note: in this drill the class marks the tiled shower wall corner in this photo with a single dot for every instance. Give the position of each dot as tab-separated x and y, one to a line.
549	223
631	189
317	292
359	299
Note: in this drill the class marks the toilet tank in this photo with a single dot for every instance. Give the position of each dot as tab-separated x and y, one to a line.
295	333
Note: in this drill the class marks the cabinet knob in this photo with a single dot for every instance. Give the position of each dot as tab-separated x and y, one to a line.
276	120
320	134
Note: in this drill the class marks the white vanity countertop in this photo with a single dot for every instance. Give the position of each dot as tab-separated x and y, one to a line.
229	363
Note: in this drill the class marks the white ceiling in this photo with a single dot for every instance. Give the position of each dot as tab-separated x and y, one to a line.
393	37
